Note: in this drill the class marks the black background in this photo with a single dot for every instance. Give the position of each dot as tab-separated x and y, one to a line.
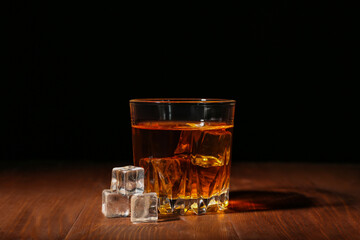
76	65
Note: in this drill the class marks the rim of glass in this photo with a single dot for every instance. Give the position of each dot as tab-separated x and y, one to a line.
182	100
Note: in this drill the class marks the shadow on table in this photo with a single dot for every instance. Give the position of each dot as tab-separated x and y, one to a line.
244	201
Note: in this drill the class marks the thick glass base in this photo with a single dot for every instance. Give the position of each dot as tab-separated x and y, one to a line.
193	206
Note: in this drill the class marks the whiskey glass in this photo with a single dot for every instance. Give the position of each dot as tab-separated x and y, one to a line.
184	146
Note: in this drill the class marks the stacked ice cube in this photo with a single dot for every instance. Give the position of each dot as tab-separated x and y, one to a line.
126	194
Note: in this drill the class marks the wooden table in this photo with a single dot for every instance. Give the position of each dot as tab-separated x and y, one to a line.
268	201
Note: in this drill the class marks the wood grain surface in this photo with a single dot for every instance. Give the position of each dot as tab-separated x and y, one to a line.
267	201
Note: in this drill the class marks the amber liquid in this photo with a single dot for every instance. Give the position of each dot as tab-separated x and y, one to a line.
185	160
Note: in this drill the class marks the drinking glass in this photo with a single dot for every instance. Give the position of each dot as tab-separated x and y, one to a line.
184	146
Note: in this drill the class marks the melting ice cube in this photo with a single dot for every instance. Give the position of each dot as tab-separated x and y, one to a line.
128	180
144	208
115	204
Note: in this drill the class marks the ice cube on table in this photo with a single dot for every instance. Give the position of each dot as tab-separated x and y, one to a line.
115	204
144	208
128	180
